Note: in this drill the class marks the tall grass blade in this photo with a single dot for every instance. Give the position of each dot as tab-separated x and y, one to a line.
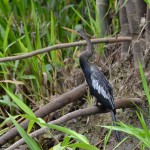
21	104
79	15
27	37
7	33
107	138
75	135
143	124
5	7
23	48
83	146
30	142
145	86
116	147
137	132
53	38
36	22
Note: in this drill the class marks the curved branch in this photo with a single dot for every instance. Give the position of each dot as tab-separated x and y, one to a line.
65	45
121	103
68	97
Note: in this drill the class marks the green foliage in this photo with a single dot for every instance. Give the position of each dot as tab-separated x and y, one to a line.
30	142
107	138
22	106
38	24
141	134
90	23
25	27
71	140
148	2
117	146
145	86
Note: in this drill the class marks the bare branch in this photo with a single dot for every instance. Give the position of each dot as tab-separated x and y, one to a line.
65	45
121	103
68	97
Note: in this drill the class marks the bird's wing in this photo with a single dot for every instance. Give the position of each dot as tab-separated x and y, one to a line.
102	86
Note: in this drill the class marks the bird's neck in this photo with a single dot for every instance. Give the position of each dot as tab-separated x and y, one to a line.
84	62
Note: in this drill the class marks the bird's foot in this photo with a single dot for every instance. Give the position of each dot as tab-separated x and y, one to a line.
96	104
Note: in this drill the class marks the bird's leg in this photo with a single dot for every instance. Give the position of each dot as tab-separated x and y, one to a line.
96	103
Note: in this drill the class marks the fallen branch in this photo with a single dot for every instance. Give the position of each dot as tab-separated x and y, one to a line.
122	103
69	97
65	45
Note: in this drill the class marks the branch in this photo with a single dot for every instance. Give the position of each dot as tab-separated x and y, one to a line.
68	97
65	45
121	103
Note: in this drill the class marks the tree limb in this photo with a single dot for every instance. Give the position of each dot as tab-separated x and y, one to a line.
68	97
65	45
121	103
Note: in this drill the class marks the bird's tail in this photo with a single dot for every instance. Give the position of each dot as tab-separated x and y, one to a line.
114	123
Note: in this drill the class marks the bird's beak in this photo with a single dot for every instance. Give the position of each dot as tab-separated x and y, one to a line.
71	30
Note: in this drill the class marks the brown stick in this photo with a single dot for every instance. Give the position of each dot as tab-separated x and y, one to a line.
63	100
65	45
122	103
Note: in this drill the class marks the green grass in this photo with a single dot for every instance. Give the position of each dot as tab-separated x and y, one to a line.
31	27
145	86
29	141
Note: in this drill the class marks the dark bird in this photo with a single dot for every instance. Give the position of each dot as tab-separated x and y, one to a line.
99	86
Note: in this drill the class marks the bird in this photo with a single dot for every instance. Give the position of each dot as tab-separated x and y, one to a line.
99	86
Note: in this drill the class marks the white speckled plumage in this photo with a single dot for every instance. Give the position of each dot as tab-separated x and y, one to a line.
101	85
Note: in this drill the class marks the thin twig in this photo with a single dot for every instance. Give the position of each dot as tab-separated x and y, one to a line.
65	45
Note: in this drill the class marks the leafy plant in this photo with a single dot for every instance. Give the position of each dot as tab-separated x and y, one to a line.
30	142
145	86
72	140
